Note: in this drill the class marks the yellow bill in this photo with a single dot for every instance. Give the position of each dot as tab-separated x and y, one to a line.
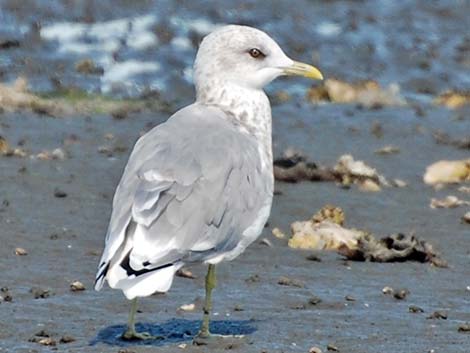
305	70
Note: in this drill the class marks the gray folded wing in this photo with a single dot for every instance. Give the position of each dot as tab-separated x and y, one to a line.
190	189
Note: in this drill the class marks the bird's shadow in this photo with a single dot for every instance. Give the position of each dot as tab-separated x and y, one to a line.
173	331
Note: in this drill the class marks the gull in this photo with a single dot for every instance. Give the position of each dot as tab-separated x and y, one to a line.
199	187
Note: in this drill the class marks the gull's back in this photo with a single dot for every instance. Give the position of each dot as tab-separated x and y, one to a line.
194	189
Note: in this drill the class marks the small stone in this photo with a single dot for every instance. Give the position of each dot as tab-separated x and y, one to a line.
399	183
47	341
332	348
182	345
315	350
387	290
185	273
188	307
67	339
58	153
313	257
21	252
267	242
466	218
59	193
41	293
286	281
238	308
77	286
439	314
415	309
401	294
298	306
278	233
253	279
387	150
314	300
350	298
464	328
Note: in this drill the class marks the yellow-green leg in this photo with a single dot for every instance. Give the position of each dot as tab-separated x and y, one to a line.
131	333
205	337
211	282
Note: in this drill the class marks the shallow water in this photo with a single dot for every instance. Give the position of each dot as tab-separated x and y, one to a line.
384	40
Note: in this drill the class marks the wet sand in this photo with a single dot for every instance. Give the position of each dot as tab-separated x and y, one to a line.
64	236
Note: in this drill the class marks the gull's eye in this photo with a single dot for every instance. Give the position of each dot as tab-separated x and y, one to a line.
256	53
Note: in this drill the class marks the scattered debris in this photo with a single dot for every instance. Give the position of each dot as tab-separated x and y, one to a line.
356	171
278	233
448	202
349	298
266	241
394	248
388	150
332	348
466	218
253	279
367	93
329	213
21	252
444	139
77	286
41	292
325	235
320	233
401	294
313	257
67	339
59	193
185	273
188	307
447	172
291	282
464	189
314	350
415	309
453	99
440	314
314	300
5	295
294	167
43	337
464	328
4	146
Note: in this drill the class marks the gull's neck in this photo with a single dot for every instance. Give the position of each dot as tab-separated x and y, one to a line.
247	108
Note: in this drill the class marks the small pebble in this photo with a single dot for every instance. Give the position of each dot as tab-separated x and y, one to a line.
464	328
401	294
332	348
314	300
77	286
313	257
188	307
267	242
439	314
20	252
286	281
41	293
59	193
67	339
185	273
415	309
350	298
314	350
278	233
387	290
